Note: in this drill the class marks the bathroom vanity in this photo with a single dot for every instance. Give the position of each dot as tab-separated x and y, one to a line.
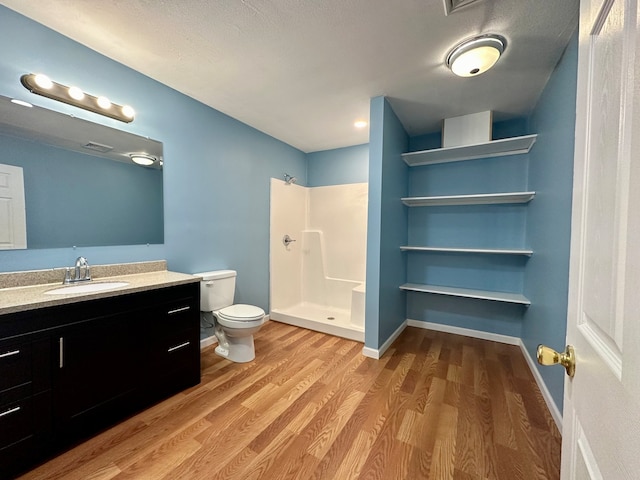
73	364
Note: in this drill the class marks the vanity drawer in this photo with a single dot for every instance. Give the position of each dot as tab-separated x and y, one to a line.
16	422
15	364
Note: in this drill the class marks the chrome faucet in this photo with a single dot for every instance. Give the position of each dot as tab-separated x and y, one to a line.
81	263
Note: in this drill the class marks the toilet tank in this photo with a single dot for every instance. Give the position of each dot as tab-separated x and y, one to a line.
217	289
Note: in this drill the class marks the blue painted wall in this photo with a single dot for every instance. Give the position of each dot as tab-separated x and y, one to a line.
549	216
216	172
478	226
338	166
385	308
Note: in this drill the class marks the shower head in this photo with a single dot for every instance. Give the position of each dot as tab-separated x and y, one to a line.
288	179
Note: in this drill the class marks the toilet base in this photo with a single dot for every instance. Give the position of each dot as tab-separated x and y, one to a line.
239	350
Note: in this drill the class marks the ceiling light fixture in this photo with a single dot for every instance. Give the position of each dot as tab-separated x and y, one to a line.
476	55
143	159
360	124
41	85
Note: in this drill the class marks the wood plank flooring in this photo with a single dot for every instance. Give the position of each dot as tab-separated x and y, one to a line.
436	406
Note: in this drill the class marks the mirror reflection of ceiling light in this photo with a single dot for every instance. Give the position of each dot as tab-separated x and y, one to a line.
143	159
476	55
42	85
21	102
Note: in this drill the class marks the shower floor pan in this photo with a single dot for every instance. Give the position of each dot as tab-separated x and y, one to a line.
321	319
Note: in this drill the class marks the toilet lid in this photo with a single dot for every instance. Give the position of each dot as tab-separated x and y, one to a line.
241	312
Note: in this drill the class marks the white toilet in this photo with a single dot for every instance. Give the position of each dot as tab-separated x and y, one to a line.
235	324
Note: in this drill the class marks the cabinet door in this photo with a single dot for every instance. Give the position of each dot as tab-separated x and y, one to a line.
97	365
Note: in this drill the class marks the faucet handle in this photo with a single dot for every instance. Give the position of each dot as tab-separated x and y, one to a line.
67	276
87	272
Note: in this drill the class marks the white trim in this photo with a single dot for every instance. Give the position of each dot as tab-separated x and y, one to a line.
205	342
373	353
467	332
551	405
495	337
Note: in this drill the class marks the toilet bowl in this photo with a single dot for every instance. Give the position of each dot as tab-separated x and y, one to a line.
234	324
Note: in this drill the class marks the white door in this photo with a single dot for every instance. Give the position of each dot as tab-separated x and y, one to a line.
601	420
13	226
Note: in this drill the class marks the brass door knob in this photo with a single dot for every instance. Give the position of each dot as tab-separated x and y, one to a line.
548	356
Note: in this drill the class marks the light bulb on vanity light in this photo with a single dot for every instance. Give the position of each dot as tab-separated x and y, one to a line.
76	93
43	81
104	102
128	111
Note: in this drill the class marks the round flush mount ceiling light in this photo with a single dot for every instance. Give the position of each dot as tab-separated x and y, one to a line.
143	159
360	124
476	55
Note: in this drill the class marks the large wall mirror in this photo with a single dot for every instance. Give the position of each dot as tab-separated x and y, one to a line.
81	187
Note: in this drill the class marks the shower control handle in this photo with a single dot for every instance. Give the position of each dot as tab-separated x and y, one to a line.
286	240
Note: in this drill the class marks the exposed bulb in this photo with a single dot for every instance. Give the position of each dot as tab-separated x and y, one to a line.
43	81
76	93
104	102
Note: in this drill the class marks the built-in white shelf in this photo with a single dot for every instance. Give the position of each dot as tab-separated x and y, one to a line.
468	293
495	148
477	199
496	251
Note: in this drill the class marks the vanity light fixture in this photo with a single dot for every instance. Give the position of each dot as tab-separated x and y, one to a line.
476	55
143	159
42	85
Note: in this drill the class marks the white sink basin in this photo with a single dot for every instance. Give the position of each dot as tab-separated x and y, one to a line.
86	288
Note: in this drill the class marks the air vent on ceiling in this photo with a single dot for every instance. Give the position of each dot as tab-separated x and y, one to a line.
451	6
98	147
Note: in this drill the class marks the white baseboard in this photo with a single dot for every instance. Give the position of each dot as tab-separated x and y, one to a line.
553	408
467	332
205	342
373	353
551	405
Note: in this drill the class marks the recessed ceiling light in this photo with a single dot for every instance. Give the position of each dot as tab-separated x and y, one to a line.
21	102
360	124
475	55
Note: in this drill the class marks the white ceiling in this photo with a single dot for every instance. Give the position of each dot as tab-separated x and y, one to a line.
304	70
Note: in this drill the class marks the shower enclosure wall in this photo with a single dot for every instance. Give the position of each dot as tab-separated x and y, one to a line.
317	278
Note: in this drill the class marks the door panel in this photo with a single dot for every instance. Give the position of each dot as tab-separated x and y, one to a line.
601	420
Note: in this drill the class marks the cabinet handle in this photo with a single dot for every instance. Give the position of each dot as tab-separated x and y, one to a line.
11	410
182	345
8	354
61	352
178	310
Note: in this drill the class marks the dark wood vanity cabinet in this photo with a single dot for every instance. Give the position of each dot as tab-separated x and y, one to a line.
25	401
83	366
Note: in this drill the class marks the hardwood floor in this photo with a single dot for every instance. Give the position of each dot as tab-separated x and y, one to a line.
436	406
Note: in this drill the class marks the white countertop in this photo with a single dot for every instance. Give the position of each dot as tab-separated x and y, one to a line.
18	299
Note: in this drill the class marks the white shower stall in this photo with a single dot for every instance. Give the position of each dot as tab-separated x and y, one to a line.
317	279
